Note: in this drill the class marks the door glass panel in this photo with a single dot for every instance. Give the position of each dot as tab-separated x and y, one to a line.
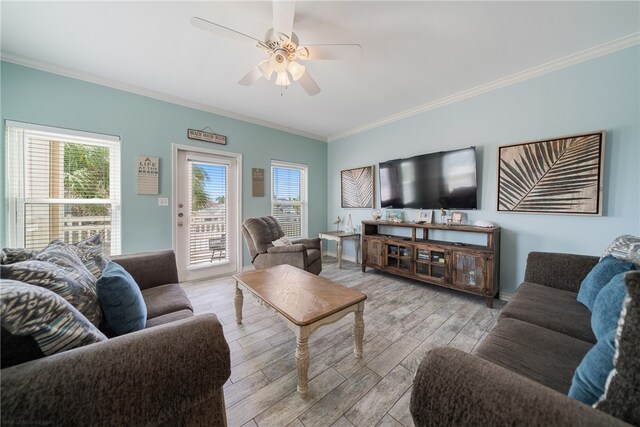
208	213
422	268
437	257
437	270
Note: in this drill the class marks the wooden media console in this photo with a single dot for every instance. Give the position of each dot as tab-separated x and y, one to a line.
466	267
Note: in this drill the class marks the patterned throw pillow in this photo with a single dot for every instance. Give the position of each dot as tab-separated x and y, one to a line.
622	394
59	269
91	253
625	247
33	311
13	255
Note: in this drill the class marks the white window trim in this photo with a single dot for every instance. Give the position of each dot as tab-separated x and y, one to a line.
16	198
304	202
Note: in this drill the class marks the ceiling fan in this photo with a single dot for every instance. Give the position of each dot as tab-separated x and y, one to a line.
283	49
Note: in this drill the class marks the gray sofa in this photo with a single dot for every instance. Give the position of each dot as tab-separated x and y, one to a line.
521	372
171	373
304	254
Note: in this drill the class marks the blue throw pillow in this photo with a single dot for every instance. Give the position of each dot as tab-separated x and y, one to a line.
608	305
591	375
599	276
121	300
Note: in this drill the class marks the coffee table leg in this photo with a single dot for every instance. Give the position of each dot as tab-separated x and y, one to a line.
238	300
302	359
358	331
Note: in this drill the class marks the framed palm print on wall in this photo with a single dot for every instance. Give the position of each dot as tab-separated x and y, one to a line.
552	176
356	188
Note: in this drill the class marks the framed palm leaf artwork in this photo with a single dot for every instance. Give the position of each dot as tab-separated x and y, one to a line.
553	176
356	187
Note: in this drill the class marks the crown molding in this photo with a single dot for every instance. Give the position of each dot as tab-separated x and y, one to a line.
102	81
586	55
576	58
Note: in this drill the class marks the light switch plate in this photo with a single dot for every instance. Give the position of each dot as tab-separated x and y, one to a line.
163	201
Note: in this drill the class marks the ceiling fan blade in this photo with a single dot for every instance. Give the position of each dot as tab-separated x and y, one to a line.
317	52
283	15
251	77
309	85
221	30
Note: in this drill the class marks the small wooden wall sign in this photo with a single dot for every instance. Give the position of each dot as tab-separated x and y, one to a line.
257	181
206	136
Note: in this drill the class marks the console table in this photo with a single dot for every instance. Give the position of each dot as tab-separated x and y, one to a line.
466	267
339	236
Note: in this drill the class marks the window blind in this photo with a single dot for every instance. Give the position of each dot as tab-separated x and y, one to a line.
62	184
289	198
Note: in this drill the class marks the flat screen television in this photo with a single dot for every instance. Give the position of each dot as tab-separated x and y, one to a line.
430	181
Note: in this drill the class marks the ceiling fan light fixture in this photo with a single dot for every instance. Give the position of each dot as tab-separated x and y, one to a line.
266	69
296	70
283	79
279	62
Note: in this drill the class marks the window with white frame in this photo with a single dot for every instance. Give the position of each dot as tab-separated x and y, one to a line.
61	184
289	197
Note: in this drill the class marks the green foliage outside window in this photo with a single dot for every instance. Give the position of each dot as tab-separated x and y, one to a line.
86	176
199	198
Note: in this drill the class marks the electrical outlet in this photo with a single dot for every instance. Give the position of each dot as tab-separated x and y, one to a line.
163	201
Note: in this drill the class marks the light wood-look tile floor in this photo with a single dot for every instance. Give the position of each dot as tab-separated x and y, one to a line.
404	319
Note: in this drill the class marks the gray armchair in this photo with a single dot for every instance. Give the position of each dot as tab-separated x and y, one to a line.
260	232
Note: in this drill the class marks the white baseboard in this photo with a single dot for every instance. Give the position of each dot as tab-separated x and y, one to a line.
505	296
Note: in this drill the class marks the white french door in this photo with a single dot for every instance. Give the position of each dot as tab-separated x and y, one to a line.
206	213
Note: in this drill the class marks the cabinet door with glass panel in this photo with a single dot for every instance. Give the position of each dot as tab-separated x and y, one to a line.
399	257
432	263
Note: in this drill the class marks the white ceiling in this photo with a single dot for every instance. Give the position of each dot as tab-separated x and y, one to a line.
413	53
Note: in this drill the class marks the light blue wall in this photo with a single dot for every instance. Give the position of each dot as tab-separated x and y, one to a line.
148	126
603	93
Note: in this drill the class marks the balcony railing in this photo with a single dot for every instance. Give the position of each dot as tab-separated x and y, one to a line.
69	229
208	238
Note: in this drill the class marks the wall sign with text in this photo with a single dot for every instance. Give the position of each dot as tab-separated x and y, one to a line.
148	174
206	136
